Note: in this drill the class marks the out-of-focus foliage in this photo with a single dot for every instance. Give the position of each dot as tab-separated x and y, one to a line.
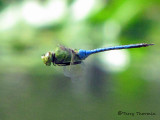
126	80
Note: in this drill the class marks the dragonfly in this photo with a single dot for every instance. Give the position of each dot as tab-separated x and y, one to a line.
63	56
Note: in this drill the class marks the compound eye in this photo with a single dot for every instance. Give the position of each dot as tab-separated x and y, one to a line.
47	54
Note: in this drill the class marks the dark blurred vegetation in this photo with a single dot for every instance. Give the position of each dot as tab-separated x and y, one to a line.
31	91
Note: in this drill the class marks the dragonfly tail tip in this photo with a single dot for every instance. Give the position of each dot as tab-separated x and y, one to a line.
151	44
145	44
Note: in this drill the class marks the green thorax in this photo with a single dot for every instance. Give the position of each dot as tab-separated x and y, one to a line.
63	55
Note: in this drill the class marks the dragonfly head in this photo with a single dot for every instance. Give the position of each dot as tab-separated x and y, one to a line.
47	58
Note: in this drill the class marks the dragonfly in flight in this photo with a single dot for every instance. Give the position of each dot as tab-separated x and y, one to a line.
63	56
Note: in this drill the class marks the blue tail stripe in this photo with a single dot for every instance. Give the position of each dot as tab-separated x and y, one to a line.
85	53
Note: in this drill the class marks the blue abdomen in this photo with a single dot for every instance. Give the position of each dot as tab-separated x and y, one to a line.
85	53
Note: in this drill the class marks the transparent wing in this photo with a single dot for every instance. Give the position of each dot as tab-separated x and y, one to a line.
75	72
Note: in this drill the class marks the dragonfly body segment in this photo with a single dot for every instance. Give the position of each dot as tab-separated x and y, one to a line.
85	53
65	56
62	57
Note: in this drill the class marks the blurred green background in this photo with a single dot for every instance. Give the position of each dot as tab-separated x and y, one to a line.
125	80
